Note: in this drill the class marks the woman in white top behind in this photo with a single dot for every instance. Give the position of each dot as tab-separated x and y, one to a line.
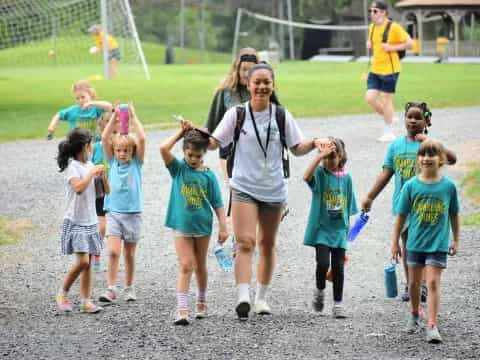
259	187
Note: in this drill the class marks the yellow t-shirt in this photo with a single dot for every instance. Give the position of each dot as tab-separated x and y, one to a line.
112	43
385	63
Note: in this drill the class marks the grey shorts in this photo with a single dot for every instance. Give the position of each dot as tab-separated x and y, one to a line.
127	226
240	196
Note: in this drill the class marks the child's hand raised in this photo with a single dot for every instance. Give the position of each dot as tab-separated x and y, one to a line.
326	149
186	125
420	137
86	105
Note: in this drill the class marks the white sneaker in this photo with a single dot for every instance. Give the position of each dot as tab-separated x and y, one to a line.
261	308
395	119
387	137
129	294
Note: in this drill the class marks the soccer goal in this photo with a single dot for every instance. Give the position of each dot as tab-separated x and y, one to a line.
256	30
46	32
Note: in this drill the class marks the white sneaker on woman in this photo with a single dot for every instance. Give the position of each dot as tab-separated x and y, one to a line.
261	308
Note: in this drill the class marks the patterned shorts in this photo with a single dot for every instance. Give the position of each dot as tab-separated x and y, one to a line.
80	239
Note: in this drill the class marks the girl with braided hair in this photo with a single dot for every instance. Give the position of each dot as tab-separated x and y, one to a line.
400	161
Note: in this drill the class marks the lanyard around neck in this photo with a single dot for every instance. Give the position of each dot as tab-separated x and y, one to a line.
264	149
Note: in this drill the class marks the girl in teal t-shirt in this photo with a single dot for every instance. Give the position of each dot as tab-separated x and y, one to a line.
430	202
399	163
333	202
194	192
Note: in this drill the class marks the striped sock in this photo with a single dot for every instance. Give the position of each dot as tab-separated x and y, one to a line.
182	300
202	295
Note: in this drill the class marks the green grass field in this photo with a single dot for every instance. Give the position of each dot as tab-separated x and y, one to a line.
31	95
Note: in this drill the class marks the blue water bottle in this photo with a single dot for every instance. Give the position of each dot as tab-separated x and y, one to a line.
357	227
223	258
390	273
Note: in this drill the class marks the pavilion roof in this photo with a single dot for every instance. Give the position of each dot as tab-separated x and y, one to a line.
436	3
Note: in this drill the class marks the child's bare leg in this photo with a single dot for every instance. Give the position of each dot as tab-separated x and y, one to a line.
433	274
201	249
86	281
82	261
404	236
114	250
186	260
415	279
129	250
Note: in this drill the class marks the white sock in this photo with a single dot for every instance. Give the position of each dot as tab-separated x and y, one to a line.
243	292
261	292
388	129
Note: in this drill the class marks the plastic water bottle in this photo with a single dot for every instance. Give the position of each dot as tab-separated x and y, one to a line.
390	273
124	118
357	227
223	258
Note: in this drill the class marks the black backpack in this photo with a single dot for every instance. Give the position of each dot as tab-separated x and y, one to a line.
280	118
401	53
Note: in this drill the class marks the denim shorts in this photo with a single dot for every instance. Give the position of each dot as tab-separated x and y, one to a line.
437	259
127	226
240	196
383	83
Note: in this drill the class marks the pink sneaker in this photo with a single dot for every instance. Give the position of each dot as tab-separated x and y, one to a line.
63	303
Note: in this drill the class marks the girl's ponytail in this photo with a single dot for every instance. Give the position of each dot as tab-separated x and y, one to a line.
64	154
74	144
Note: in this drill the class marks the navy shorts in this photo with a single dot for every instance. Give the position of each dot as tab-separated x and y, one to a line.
114	54
383	83
437	259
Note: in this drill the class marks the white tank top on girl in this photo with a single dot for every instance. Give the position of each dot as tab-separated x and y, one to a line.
80	208
260	177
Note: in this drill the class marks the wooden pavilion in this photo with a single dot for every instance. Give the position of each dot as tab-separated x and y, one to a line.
421	11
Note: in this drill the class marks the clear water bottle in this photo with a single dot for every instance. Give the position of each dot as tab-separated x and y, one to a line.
357	227
124	118
223	258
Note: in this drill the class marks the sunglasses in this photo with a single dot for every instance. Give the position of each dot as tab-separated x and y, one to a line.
373	11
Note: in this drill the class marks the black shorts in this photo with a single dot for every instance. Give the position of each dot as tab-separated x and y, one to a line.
99	206
224	152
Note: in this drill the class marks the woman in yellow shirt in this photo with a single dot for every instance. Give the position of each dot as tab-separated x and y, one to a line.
385	67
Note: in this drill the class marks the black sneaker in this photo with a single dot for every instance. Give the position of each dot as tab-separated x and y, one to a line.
242	309
318	300
406	295
424	294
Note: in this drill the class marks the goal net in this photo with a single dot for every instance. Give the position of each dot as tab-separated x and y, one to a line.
46	32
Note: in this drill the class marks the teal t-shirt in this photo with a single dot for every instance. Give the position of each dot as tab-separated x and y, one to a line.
193	195
97	154
77	117
401	158
429	207
333	202
125	181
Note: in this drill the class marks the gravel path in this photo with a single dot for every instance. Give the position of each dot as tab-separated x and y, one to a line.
32	270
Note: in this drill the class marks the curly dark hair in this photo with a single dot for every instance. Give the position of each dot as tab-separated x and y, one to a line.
425	111
195	139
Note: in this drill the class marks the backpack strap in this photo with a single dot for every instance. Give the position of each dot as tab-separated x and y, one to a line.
385	40
280	118
236	135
